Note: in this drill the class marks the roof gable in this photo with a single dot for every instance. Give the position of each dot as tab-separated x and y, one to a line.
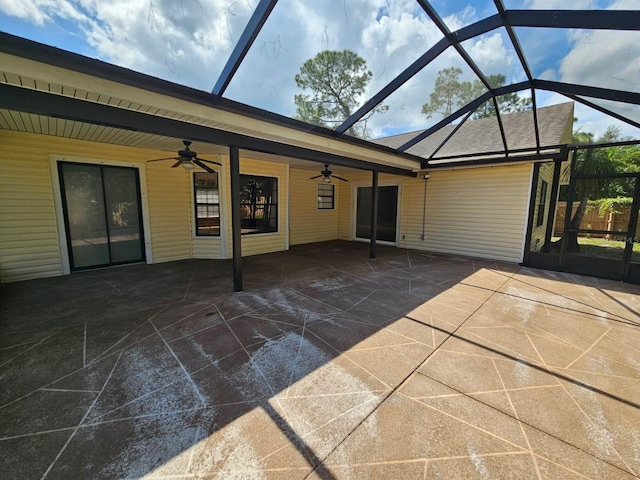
483	135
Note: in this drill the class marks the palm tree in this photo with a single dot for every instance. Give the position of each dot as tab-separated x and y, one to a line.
591	161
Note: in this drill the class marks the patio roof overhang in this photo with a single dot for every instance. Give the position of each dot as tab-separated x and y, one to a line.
34	102
52	83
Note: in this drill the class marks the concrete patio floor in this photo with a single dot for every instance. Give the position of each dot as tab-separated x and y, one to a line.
329	365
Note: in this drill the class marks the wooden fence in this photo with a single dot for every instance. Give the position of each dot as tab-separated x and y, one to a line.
592	219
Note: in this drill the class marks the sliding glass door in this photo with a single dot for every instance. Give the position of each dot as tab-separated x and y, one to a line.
387	213
103	217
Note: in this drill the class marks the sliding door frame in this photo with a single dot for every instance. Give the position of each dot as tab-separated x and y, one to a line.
54	159
354	209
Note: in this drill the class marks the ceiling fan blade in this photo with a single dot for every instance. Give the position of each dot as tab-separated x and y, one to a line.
208	161
177	164
317	176
198	162
339	178
160	159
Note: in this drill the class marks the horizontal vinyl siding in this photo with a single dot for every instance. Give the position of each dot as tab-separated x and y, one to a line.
307	223
479	212
29	246
169	211
207	247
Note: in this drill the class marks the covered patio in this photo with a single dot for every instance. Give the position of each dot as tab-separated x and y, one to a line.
329	365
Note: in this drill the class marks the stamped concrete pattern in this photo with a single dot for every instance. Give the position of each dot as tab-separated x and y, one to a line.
330	365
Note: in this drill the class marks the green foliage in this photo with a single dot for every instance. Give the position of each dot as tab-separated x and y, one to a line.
605	161
449	94
338	79
609	205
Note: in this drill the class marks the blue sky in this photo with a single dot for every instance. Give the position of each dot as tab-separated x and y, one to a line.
188	42
63	34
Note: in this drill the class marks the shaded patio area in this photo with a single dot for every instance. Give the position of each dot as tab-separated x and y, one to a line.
329	365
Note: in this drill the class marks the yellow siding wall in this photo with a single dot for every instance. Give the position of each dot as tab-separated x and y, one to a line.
170	209
207	247
29	242
29	245
307	223
266	242
479	212
28	235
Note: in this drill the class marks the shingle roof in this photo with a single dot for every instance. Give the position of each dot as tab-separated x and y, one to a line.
483	135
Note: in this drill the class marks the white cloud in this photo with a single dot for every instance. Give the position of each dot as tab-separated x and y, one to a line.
189	41
601	58
465	17
34	11
490	54
604	59
548	74
185	41
40	12
593	121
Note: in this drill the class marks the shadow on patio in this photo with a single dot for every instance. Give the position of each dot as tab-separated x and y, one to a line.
329	365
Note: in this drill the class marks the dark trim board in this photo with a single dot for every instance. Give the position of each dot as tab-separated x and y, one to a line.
533	194
587	19
623	96
547	157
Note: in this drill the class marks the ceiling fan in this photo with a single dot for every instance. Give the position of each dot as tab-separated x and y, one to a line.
328	175
188	159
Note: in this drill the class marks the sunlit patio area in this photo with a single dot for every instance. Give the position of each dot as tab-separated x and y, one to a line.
330	365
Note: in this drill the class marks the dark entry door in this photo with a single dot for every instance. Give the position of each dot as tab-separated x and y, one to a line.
387	213
102	214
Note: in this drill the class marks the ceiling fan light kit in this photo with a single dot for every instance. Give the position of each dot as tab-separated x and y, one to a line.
189	159
328	175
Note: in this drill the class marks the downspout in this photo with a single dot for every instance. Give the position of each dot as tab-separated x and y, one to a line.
424	207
